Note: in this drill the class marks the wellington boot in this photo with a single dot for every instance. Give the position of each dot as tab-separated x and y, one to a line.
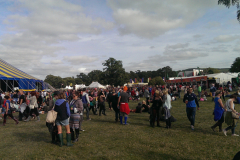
68	137
77	135
60	137
72	134
28	119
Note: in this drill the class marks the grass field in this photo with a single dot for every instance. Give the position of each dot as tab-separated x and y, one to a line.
105	139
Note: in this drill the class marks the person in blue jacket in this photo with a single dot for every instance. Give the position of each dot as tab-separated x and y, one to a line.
190	99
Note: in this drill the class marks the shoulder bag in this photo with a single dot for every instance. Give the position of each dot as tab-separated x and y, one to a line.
234	115
31	106
51	116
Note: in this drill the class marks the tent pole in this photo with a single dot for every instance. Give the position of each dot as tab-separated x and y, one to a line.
7	85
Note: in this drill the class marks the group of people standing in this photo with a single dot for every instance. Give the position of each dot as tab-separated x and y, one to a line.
70	107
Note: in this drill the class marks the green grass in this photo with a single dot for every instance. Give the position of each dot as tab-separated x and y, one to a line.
105	139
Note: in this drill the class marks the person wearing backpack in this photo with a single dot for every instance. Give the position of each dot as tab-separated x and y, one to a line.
86	102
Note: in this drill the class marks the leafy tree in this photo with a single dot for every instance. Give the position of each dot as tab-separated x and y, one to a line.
211	70
68	81
114	73
95	75
55	81
235	67
85	79
228	3
156	81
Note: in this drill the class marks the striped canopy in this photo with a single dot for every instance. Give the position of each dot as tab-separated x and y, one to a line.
11	77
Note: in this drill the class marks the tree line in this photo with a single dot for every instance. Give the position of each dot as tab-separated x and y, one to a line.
113	73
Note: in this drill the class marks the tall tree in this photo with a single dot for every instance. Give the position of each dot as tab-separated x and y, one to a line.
55	81
228	3
95	75
85	79
114	72
235	67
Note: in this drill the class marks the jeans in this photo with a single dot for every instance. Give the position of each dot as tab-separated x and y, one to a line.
232	128
191	111
102	108
117	114
199	94
147	98
85	106
179	94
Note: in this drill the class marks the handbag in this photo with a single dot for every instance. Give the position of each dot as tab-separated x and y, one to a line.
32	106
12	108
51	116
234	115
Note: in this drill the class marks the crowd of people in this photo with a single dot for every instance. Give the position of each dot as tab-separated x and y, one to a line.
70	106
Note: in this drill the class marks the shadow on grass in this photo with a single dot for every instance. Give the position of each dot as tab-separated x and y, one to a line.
35	136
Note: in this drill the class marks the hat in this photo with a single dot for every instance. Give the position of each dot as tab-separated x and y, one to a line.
125	88
55	93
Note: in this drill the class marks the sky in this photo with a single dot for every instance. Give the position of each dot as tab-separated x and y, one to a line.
67	37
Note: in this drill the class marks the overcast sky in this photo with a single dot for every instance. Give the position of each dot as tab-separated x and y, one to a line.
66	37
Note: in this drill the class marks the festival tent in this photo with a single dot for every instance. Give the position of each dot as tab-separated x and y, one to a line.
79	86
69	87
96	85
11	77
222	78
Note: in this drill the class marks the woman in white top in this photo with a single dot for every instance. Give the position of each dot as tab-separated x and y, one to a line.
33	106
167	106
231	122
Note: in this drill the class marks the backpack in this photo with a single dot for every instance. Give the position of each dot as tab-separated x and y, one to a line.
84	99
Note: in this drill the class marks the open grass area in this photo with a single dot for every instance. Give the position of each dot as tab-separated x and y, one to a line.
105	139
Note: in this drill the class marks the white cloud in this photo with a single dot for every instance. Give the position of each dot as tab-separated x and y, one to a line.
76	60
177	46
37	29
172	55
150	19
226	38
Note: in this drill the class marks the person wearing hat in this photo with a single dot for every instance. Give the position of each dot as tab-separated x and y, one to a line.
124	108
191	101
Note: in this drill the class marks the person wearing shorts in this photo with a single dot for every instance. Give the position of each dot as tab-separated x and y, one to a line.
63	114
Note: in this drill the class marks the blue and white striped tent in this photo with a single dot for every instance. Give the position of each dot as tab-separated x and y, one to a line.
11	77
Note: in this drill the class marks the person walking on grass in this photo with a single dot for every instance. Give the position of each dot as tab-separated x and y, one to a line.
229	120
8	111
76	107
199	90
213	91
86	102
124	108
33	102
63	113
191	101
218	111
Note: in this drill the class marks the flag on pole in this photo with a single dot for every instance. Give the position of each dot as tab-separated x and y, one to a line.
143	80
148	80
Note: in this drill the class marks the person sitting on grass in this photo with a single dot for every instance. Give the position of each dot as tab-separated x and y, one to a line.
138	108
145	106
